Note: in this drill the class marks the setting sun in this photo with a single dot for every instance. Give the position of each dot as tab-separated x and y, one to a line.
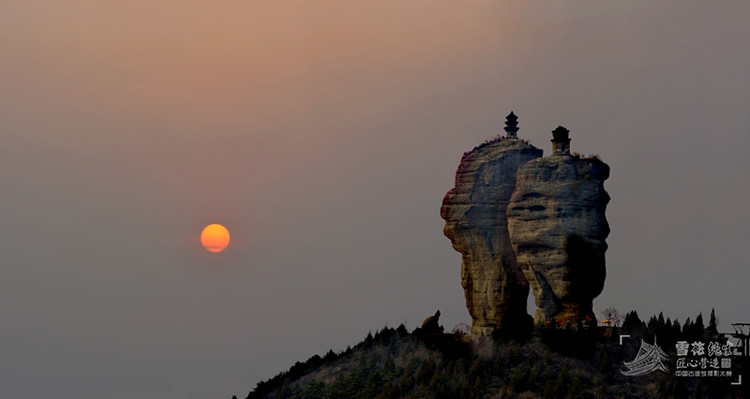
215	237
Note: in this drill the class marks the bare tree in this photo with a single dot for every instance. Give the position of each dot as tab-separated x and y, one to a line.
612	316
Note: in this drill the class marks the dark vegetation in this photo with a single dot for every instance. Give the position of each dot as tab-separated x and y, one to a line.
394	363
492	140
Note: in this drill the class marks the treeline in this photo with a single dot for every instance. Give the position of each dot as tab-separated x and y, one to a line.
393	363
396	364
279	386
666	332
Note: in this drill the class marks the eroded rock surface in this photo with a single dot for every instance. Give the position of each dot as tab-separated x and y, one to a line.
558	229
474	211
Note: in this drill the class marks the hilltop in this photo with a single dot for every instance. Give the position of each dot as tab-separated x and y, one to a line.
394	363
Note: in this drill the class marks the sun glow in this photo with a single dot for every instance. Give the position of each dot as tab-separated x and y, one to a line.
215	237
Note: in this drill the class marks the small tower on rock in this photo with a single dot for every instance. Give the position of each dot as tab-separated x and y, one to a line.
560	141
511	125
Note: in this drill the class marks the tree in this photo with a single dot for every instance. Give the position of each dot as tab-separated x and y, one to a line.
577	387
676	328
699	329
402	331
425	372
518	380
369	339
372	385
315	389
330	356
605	365
713	325
561	385
687	327
614	317
632	322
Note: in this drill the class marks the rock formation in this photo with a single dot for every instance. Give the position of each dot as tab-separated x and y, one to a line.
518	220
432	323
474	212
558	229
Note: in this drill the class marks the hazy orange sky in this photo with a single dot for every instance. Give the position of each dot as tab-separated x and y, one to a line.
324	136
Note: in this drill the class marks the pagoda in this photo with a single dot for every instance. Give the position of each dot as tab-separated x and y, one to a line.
511	125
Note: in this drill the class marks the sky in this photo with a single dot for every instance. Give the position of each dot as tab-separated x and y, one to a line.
324	135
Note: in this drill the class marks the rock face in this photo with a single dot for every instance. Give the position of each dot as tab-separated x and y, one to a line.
558	229
474	211
430	325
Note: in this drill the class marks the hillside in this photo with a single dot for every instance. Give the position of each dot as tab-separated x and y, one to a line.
394	363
